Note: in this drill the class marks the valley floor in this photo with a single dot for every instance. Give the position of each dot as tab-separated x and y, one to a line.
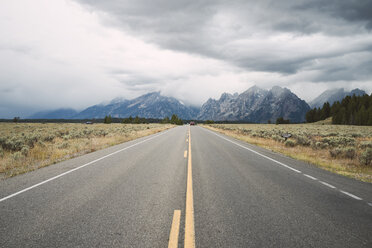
28	146
345	150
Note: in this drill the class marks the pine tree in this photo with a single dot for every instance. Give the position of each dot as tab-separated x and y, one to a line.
326	111
310	116
369	116
165	120
137	120
107	119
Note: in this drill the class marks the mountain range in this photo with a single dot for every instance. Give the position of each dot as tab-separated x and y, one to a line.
253	105
151	105
256	105
63	113
334	95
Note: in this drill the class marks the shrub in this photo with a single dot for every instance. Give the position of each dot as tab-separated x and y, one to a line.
331	134
49	137
2	141
13	144
17	156
327	141
63	145
356	135
320	145
277	138
366	157
289	143
303	141
40	143
339	141
335	153
246	131
25	149
366	144
209	122
349	152
281	120
30	140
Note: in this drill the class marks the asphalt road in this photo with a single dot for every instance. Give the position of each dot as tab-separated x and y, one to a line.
238	195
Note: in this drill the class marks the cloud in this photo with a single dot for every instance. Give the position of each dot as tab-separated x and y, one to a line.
359	11
62	56
77	53
273	36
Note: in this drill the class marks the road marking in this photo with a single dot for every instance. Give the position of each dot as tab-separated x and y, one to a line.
370	204
288	167
175	229
185	154
187	140
189	216
328	185
311	177
351	195
78	168
264	156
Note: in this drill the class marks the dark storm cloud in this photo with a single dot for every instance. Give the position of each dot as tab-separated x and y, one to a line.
214	28
191	50
350	10
349	68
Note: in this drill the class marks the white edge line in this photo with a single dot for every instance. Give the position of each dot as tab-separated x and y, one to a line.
286	166
351	195
77	168
311	177
280	163
328	185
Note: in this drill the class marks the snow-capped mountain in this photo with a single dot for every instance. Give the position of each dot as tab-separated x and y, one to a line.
256	105
151	105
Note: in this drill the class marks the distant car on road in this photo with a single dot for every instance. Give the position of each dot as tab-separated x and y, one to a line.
192	123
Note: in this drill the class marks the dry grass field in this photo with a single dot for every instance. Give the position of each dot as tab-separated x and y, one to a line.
28	146
346	150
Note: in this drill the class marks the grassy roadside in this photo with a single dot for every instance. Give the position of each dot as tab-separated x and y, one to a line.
339	149
28	146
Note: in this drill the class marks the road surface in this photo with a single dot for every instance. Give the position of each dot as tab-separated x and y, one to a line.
151	193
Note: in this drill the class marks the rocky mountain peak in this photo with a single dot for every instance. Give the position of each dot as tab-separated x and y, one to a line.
333	95
225	97
254	90
278	91
256	105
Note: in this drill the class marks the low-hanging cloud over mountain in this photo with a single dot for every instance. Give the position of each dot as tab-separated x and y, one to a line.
71	53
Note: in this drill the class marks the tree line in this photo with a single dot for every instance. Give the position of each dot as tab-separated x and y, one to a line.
173	120
352	110
138	120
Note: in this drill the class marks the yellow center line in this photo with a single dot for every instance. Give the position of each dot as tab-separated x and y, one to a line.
189	217
185	154
175	229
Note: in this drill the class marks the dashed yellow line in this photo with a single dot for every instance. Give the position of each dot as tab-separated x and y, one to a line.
185	154
175	229
189	216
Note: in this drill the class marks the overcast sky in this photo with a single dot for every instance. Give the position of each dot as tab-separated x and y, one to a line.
66	53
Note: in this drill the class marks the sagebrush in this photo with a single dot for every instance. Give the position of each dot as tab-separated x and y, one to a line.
343	149
27	146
